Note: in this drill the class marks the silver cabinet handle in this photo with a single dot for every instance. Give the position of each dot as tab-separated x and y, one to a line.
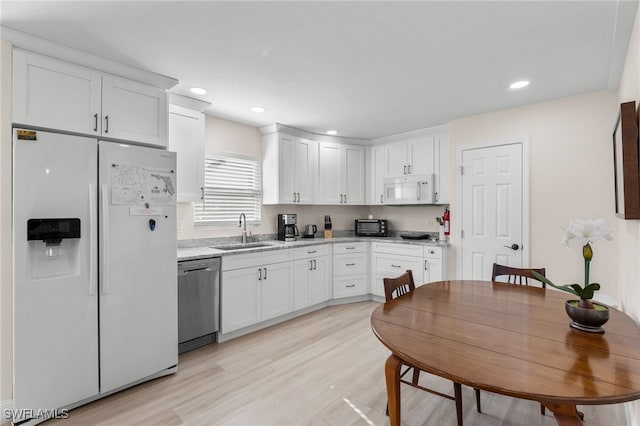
350	264
265	273
202	192
311	251
405	170
350	285
106	119
426	265
350	248
381	199
435	196
311	265
396	266
260	274
345	198
315	265
409	169
95	123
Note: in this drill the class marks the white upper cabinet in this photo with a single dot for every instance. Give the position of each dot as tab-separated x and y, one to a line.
289	165
442	169
341	172
187	138
376	175
54	94
57	95
133	111
410	157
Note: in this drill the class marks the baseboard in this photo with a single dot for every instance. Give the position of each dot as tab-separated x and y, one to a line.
5	410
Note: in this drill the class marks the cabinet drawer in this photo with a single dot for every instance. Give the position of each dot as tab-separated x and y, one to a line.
237	261
342	248
310	251
392	265
395	248
350	264
349	286
433	252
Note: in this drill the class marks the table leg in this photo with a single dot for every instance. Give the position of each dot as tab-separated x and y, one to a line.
392	376
566	415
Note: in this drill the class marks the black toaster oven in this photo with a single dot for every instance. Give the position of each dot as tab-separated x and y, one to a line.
371	227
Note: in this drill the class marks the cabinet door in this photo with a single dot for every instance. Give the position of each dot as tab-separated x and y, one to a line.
56	95
186	137
329	174
377	175
276	290
353	175
441	168
319	284
239	299
286	166
305	160
302	273
421	155
433	270
133	111
377	285
396	161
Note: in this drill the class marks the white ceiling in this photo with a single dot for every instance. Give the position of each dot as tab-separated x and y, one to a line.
365	69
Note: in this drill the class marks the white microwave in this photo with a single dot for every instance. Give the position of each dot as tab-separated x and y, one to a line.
410	189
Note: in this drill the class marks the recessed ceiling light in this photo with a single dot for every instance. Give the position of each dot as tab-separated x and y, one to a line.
257	109
332	132
198	91
519	84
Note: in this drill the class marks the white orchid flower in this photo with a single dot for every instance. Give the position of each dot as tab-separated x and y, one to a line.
586	231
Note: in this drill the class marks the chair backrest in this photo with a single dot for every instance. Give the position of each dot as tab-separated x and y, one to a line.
517	275
396	287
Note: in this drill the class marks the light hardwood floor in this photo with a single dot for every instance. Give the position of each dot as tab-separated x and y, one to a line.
325	368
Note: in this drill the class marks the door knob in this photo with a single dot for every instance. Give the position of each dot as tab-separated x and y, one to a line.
513	247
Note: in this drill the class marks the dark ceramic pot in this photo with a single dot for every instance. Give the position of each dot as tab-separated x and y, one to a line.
590	320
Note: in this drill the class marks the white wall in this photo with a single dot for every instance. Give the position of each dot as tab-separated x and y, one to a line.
571	176
628	231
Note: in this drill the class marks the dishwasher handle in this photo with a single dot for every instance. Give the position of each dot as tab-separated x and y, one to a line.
186	271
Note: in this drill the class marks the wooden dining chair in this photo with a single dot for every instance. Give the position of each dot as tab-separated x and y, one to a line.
400	286
519	276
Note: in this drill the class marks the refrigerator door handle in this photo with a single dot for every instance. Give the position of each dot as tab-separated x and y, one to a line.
104	282
92	242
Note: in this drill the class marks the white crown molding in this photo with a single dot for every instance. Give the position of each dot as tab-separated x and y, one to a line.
41	46
428	131
292	131
187	102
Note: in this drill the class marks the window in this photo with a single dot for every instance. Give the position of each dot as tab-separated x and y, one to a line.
232	186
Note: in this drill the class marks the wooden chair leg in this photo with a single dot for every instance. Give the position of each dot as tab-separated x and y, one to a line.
478	400
416	376
457	392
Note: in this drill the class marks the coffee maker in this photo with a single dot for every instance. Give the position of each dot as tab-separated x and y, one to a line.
287	227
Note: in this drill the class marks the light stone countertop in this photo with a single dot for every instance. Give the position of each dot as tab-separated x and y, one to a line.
191	253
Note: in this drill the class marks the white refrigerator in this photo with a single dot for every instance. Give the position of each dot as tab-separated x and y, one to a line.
95	272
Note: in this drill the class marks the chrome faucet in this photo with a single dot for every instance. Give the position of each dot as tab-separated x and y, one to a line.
244	229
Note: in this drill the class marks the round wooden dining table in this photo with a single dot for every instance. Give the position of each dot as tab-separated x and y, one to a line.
509	339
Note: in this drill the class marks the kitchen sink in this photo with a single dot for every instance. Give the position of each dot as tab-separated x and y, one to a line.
241	246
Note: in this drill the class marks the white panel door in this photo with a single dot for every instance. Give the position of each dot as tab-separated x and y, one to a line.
354	175
286	169
306	154
492	209
377	175
53	94
421	153
186	137
329	174
276	287
133	111
138	268
55	350
239	305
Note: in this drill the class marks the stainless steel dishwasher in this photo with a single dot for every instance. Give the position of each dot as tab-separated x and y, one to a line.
198	302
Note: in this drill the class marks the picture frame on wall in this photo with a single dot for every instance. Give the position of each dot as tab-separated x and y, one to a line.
626	163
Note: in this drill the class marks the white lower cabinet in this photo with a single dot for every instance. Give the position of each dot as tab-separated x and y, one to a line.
435	264
311	276
349	269
255	287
